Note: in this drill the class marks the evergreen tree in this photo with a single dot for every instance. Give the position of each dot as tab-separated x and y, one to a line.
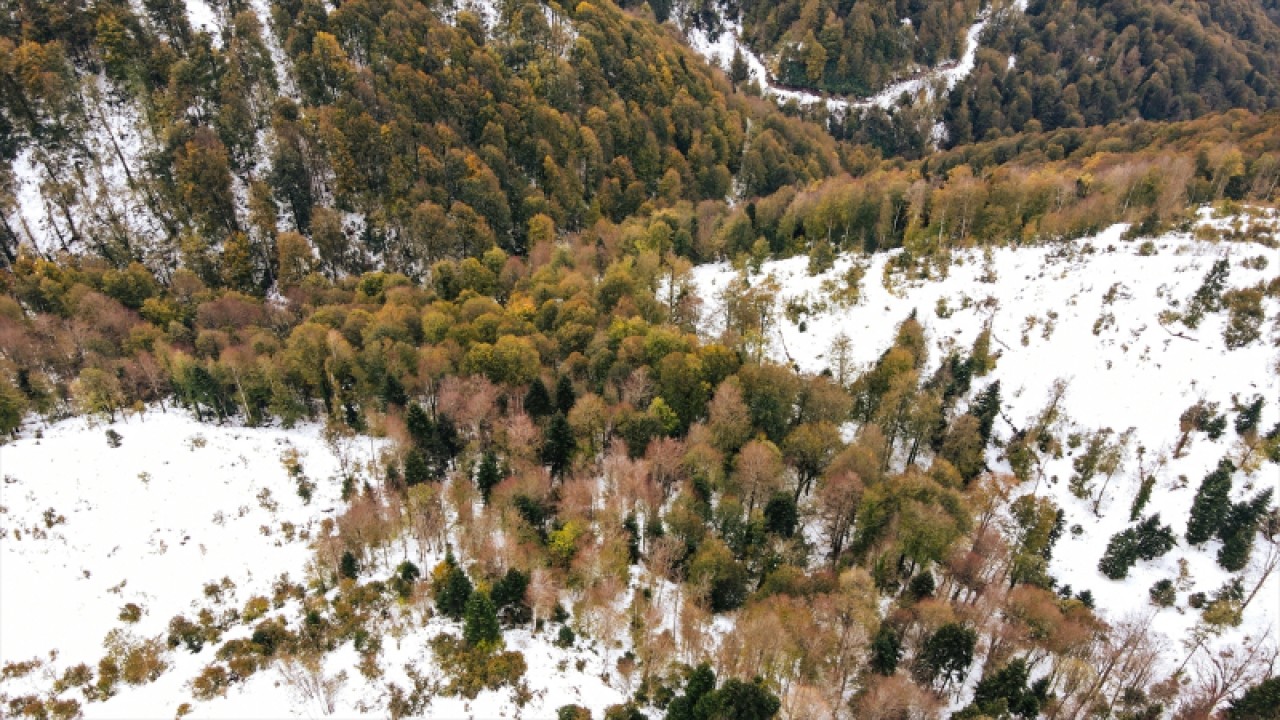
488	475
947	653
564	395
780	515
886	651
454	592
1259	702
557	449
693	703
416	470
1249	416
537	401
348	567
1238	530
480	628
1212	504
419	426
1148	540
1005	693
986	406
510	589
738	700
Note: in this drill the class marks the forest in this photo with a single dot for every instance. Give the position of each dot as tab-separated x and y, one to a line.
474	238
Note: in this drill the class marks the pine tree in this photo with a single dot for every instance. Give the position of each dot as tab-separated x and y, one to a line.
455	591
348	567
1005	693
557	449
780	515
480	628
1238	530
565	396
886	651
510	589
419	426
1212	504
739	71
416	470
537	401
986	406
488	475
1257	703
1148	540
947	654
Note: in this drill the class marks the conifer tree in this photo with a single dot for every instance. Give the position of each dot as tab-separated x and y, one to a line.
488	475
1212	504
1238	530
537	401
452	595
565	396
348	567
986	406
557	449
886	651
480	628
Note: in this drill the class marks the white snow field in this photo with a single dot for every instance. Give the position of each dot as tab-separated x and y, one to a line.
1086	312
86	529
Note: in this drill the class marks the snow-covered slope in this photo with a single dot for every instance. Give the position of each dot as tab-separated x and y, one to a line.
718	47
1086	312
86	529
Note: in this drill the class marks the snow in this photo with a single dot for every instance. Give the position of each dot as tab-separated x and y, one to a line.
104	205
181	504
202	17
719	51
151	522
1131	373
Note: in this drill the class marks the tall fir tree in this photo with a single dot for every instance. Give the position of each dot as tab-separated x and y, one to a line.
565	397
1212	504
557	449
480	627
537	401
488	475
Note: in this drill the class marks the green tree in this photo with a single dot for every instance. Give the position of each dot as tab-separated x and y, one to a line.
1239	529
1257	703
1005	693
947	653
780	515
557	449
453	592
738	700
565	396
886	651
348	566
537	401
480	627
488	475
1147	540
1212	503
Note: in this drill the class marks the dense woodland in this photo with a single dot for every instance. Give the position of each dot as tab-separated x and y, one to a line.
476	242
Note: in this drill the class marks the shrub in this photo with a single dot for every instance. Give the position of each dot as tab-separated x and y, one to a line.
565	637
472	669
1163	593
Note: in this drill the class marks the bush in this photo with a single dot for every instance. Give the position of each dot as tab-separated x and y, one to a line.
1163	593
212	682
565	637
573	712
472	669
